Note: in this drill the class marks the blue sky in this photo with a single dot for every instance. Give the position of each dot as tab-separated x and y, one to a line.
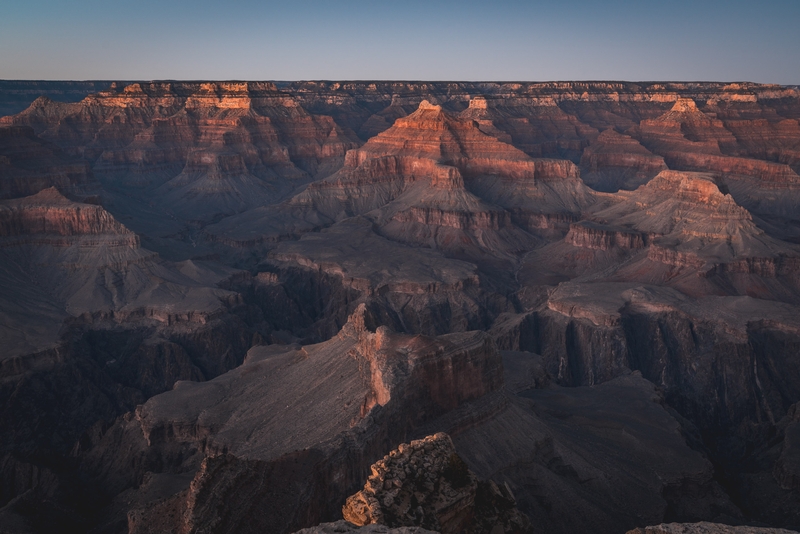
406	40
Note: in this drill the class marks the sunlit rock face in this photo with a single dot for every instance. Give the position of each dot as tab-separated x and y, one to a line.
264	307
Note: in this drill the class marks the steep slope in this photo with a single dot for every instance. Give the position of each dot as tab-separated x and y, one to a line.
599	105
685	122
583	459
426	483
70	265
383	120
46	231
691	140
295	427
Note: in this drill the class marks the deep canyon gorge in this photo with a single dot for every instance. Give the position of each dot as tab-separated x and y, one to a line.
261	307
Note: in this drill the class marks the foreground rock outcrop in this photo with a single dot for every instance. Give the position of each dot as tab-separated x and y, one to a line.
425	483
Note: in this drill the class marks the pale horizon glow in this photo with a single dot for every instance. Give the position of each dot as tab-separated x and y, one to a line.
509	40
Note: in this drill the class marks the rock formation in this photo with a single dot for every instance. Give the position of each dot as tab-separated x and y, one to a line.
431	179
411	288
201	150
678	230
425	483
692	140
222	302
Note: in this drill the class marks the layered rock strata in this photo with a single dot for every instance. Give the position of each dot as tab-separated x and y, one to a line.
430	179
690	139
679	229
412	289
213	148
18	94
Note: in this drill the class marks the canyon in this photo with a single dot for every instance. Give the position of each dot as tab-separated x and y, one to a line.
323	306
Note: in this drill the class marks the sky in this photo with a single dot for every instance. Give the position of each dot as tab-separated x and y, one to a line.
499	40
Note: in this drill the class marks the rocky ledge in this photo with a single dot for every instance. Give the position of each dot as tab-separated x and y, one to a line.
706	528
